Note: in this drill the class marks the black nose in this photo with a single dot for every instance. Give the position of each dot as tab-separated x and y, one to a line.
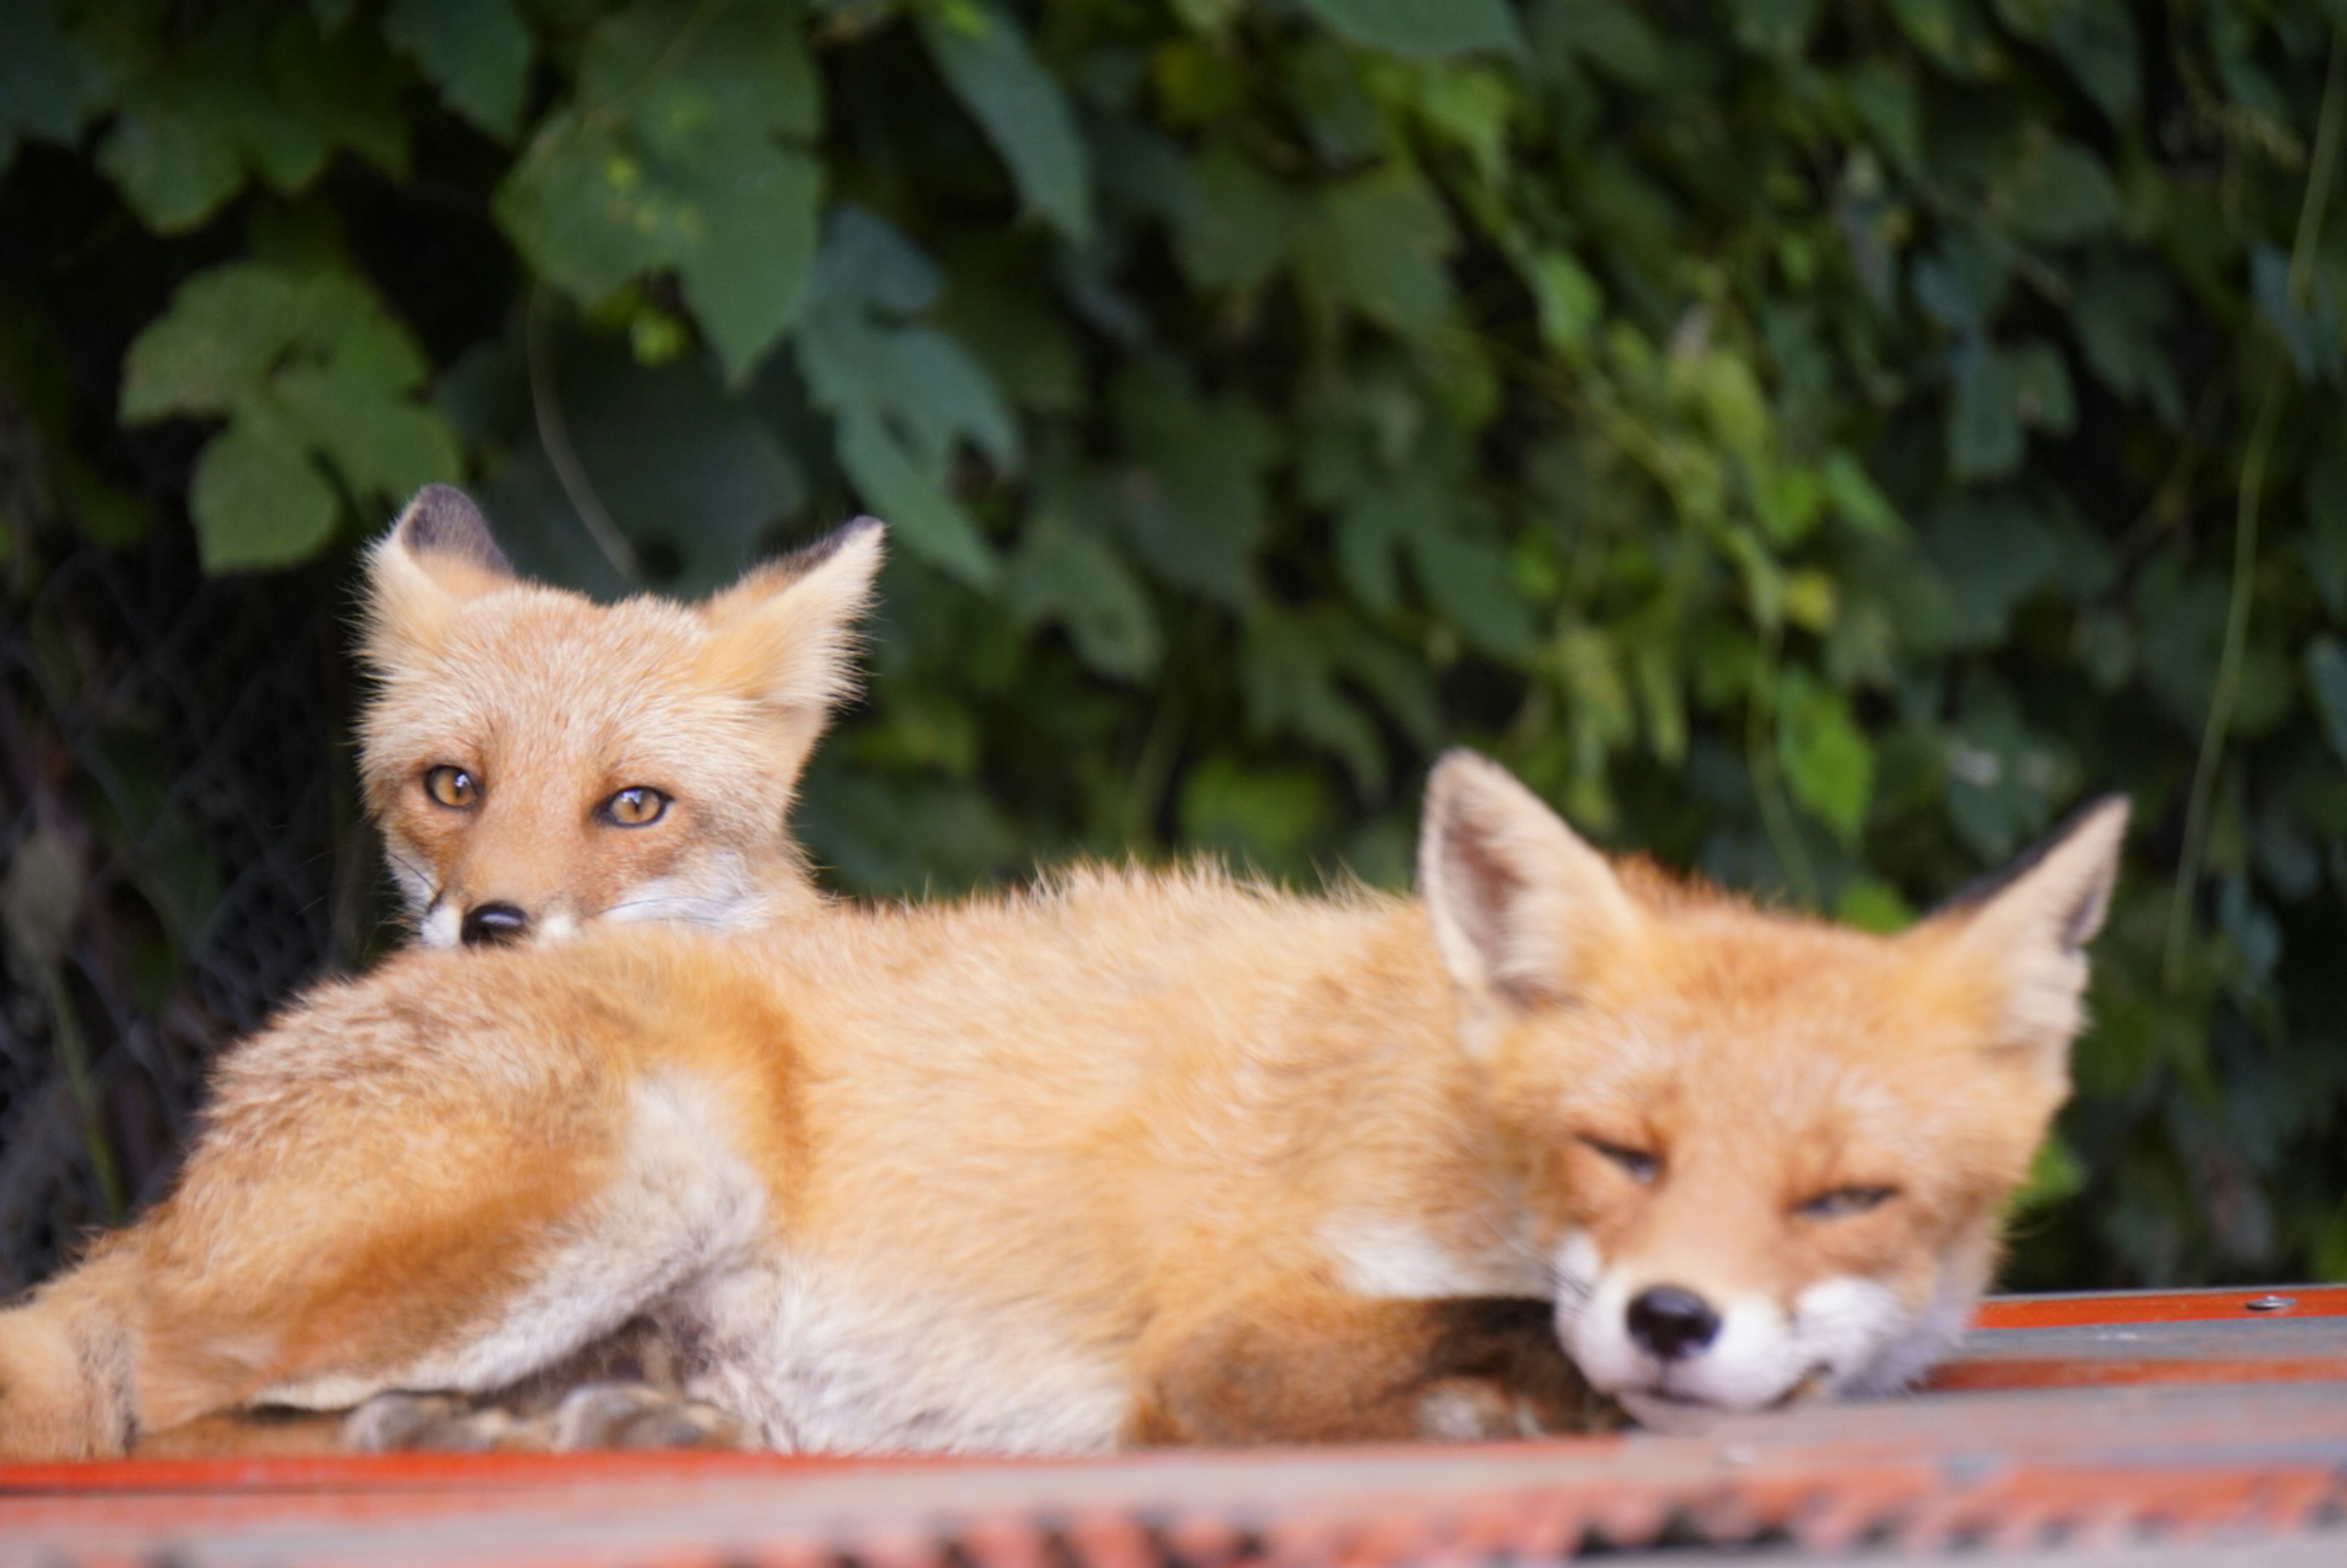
1670	1324
489	924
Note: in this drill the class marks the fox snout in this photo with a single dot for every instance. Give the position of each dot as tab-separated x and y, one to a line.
1671	1324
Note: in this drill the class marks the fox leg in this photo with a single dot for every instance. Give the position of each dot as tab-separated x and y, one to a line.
353	1243
1308	1363
626	1391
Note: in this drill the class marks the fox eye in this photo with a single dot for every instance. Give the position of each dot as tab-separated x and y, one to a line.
1636	1164
638	806
1842	1202
453	787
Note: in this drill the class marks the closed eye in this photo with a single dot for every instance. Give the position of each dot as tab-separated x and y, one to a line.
1636	1164
1841	1203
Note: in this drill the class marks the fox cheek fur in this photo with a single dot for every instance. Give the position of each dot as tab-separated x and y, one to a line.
1768	1156
538	761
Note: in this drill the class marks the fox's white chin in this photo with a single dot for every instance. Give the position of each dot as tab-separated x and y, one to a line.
1843	1336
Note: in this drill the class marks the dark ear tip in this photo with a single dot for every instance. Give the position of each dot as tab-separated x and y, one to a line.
442	520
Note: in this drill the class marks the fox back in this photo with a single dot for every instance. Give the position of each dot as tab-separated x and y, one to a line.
537	761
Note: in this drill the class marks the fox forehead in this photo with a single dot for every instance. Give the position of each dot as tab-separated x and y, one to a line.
531	671
1802	1053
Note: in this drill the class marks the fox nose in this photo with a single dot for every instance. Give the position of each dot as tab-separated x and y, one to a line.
493	925
1671	1324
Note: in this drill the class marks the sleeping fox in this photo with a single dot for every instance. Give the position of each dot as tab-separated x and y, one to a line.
1139	1158
538	761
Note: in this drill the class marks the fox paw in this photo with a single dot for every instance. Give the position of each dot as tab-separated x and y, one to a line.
636	1416
593	1416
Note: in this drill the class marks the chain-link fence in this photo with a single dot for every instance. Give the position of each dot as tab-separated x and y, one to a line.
179	843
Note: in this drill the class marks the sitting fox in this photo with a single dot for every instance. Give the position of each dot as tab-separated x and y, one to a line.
538	761
1142	1158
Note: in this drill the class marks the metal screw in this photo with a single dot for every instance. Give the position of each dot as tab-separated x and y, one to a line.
2270	1303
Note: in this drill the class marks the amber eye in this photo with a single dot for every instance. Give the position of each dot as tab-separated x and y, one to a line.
639	805
1636	1164
453	787
1842	1202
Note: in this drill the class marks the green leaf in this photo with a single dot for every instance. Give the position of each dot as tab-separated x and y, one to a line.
1262	816
906	394
2058	193
49	85
1781	28
1874	906
476	51
1994	553
1465	572
1288	672
1952	32
308	366
984	58
747	275
1985	440
2308	331
1999	392
1888	103
380	444
2324	543
1379	242
1857	500
2326	676
1422	26
1233	226
173	162
2040	388
2122	309
686	168
2098	41
1194	501
1829	763
1064	574
2056	1174
1612	34
924	515
223	331
258	500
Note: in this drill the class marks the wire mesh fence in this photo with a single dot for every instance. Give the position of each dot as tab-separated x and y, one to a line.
171	788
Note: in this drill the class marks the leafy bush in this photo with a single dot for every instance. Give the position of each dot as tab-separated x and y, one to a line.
1819	443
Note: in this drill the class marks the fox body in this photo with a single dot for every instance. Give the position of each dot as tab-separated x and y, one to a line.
538	761
1138	1158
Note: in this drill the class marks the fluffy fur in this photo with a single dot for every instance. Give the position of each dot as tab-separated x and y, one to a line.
1138	1158
552	704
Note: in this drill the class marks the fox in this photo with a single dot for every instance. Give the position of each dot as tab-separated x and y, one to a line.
1131	1158
537	762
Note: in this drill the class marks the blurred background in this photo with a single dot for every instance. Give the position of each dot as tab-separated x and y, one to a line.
1818	441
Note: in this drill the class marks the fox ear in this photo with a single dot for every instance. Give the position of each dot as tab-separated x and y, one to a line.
438	555
785	634
1519	903
2029	925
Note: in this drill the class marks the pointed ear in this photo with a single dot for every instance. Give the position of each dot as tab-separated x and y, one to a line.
2029	926
1520	905
438	555
785	634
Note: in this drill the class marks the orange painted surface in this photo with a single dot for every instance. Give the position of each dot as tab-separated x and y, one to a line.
2055	1372
2158	1306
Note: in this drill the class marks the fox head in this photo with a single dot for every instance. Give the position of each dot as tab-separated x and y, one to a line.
537	761
1766	1156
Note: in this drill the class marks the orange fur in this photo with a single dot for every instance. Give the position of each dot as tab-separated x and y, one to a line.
552	704
1134	1158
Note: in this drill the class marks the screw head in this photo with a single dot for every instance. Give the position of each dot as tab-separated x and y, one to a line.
2270	1303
